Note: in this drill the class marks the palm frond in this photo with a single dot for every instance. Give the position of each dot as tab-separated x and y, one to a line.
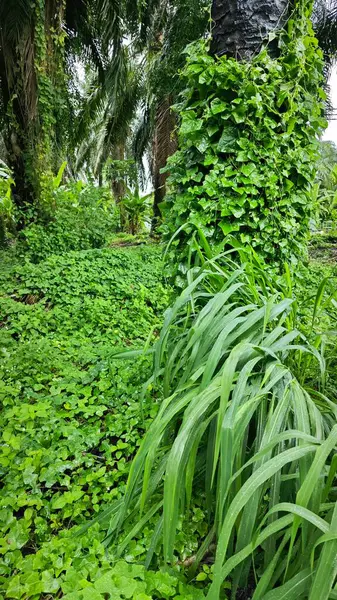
325	24
15	16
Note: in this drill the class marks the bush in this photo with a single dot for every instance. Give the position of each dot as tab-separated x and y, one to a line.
6	204
84	218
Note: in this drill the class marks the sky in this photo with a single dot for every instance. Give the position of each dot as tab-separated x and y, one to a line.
331	131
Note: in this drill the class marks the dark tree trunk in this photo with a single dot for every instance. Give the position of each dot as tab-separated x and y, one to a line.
19	95
24	129
118	185
241	26
164	145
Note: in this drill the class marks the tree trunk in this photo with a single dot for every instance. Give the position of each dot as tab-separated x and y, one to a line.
30	60
241	26
19	96
118	185
165	143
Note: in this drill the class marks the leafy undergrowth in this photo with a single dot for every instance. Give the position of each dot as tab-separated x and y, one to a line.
71	419
246	422
72	422
323	248
317	281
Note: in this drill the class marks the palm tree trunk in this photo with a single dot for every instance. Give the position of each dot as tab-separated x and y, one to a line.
30	55
241	26
19	96
164	145
118	185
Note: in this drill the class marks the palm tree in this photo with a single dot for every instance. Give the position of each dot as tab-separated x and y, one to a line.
105	121
174	25
18	84
240	28
325	24
38	43
165	143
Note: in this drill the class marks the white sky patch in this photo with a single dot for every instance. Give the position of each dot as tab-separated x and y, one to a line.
330	133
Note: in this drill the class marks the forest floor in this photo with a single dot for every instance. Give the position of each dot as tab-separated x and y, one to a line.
71	420
70	416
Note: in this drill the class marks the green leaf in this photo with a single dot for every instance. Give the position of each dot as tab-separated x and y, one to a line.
293	589
227	142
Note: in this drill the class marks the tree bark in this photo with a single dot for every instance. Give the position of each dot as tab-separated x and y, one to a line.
19	79
165	143
118	185
240	27
19	96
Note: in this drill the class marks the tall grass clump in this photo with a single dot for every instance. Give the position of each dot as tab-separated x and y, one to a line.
239	425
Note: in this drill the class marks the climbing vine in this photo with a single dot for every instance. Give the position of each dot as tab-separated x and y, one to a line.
51	84
37	107
248	143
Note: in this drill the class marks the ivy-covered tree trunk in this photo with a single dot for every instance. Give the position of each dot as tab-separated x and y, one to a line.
248	140
118	185
19	93
164	145
242	26
31	61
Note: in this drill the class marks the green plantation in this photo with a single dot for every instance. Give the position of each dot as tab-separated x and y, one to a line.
168	300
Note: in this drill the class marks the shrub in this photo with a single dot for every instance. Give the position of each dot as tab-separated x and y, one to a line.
84	217
6	204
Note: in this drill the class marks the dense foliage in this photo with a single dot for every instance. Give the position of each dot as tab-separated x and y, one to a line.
72	420
248	147
326	186
6	203
70	417
159	443
245	425
81	217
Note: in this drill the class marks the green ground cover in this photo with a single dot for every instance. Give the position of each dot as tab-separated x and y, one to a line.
70	416
71	422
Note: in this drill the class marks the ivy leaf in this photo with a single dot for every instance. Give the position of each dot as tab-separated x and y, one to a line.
106	584
239	115
241	157
49	583
202	143
190	125
228	227
217	106
15	588
128	587
212	129
248	169
18	536
91	594
227	142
